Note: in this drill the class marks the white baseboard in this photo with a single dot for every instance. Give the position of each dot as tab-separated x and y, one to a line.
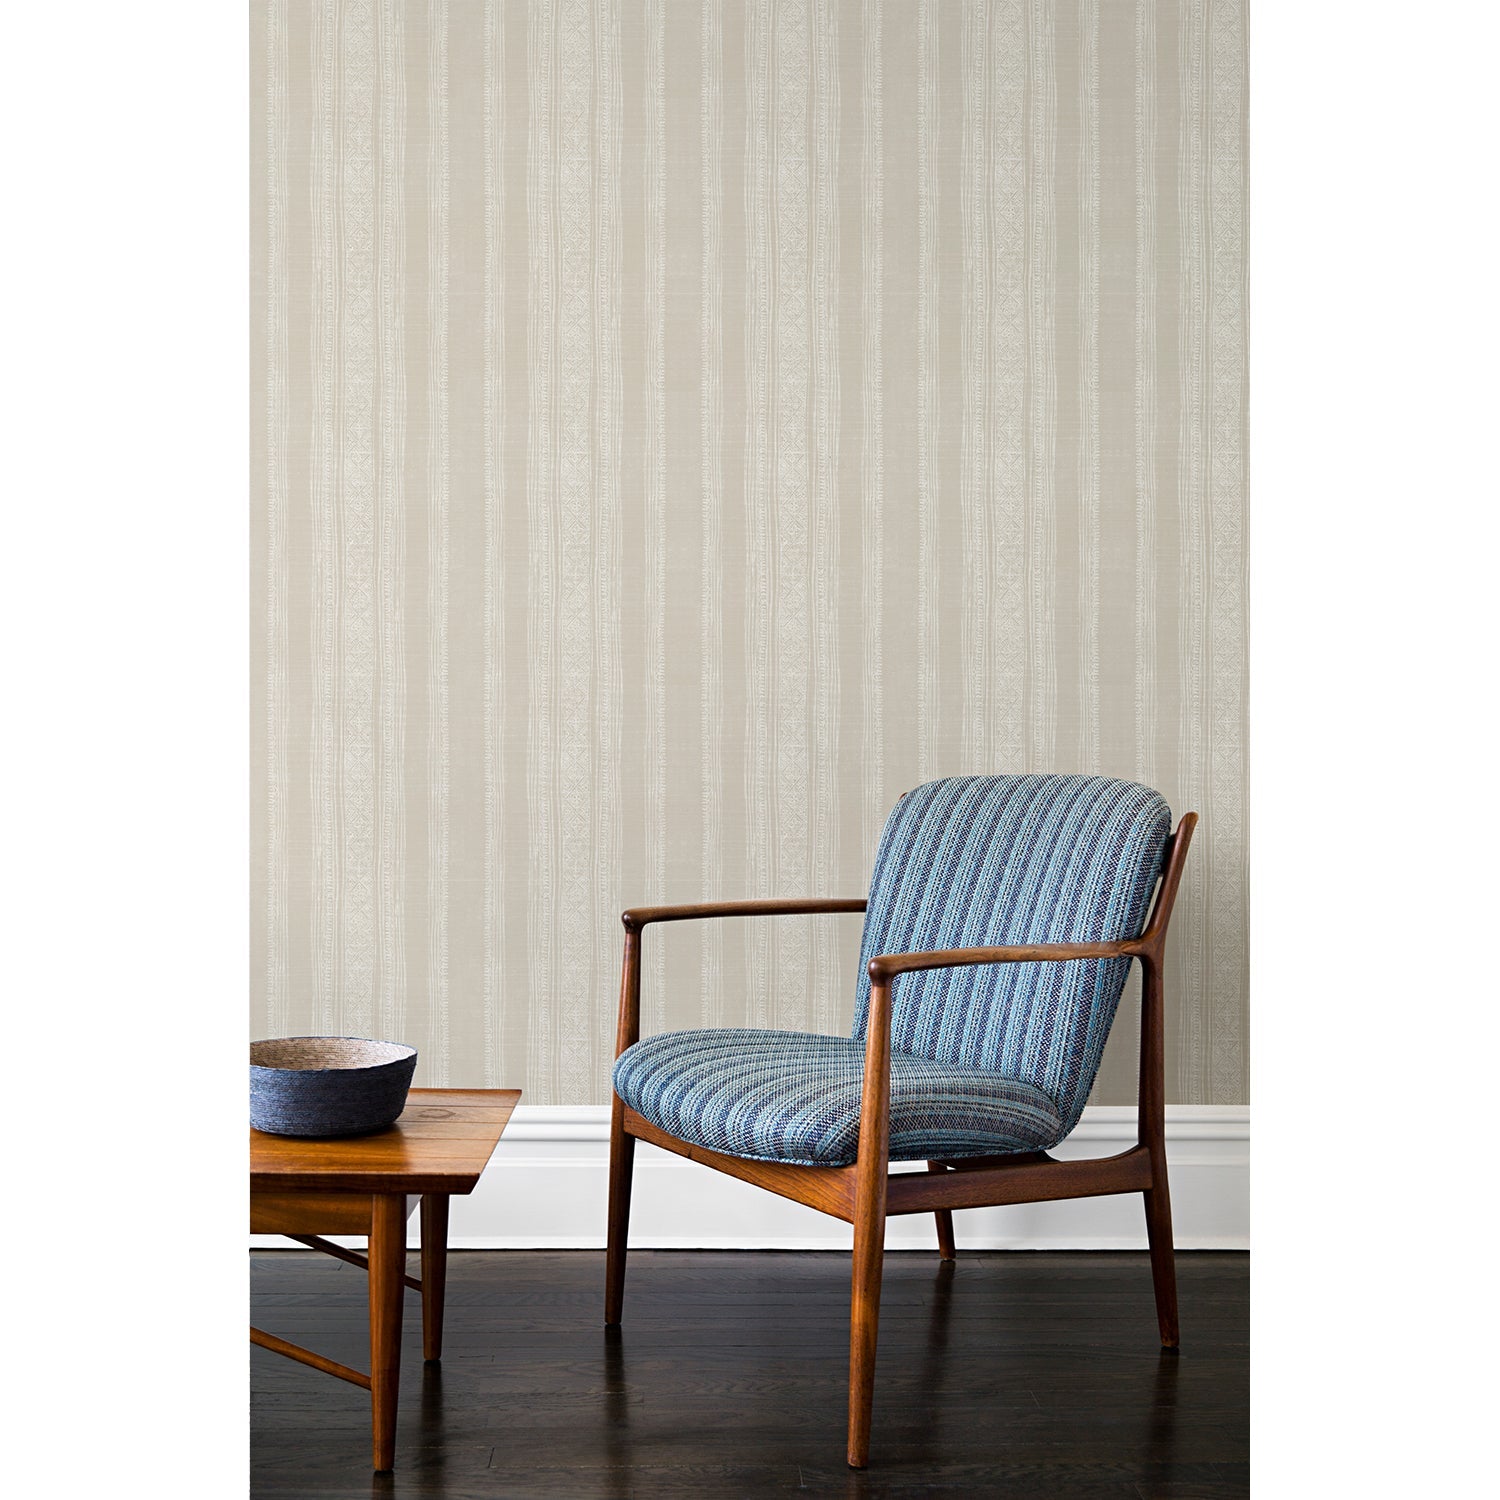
546	1184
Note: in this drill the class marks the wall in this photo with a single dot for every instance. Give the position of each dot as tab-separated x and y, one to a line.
681	427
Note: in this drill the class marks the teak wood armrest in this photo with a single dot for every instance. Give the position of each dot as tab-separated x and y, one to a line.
779	906
639	917
885	966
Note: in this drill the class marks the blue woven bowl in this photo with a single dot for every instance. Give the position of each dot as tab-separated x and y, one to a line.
328	1085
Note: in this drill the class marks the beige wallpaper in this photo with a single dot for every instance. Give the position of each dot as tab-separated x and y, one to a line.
681	427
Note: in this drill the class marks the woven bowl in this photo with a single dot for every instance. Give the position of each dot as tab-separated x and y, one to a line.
328	1085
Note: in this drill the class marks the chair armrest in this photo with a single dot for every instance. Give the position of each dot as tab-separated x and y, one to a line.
875	1098
628	1031
885	966
790	906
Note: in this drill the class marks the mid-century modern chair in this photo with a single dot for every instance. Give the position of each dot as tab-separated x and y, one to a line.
1008	908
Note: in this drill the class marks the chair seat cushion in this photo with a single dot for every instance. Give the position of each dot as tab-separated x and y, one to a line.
791	1096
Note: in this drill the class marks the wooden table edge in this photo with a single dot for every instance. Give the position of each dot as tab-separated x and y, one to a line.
392	1182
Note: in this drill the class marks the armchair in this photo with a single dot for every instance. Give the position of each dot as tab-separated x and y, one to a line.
1003	914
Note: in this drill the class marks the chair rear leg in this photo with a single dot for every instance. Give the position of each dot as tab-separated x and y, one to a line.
864	1324
1163	1264
947	1250
621	1172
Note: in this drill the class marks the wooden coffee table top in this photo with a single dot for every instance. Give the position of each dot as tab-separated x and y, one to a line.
441	1144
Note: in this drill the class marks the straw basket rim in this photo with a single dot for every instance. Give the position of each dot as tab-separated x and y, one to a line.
327	1054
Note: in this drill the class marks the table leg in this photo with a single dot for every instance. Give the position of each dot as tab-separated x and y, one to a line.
387	1273
434	1272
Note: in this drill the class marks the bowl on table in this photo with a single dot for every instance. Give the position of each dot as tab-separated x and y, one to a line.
328	1085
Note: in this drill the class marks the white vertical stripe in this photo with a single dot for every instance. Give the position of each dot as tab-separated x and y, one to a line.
655	176
438	755
1090	542
276	699
595	1029
325	733
1004	698
495	1066
974	497
391	523
1227	642
1146	726
358	352
929	290
711	629
577	702
1041	277
872	449
823	542
758	493
541	592
1193	1040
792	614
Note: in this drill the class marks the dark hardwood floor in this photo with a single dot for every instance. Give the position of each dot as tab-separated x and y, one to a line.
1023	1376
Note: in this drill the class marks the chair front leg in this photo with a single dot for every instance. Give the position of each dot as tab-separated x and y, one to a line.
864	1318
621	1145
621	1172
871	1166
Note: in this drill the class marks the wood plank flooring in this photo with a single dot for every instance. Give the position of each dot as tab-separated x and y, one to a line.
1026	1376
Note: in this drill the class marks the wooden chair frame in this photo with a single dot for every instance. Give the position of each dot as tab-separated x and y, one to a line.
867	1193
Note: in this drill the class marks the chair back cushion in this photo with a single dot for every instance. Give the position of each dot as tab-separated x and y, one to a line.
984	861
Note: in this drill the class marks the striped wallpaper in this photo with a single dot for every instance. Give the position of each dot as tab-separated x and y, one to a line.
679	427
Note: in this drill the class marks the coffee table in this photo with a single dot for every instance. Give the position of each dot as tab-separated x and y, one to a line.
370	1185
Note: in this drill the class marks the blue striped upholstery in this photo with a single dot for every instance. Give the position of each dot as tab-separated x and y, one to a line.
794	1097
982	861
985	1058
